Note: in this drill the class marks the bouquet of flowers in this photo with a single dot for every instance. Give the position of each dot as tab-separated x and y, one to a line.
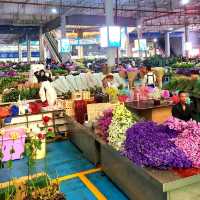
156	94
104	122
121	121
112	92
165	94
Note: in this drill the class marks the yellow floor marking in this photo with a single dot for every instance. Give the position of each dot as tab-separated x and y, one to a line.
92	188
76	175
85	180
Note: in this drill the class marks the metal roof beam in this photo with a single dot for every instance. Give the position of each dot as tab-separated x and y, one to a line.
96	20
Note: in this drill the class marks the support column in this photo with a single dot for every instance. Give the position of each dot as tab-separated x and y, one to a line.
41	45
19	52
186	34
109	6
28	49
167	44
80	51
186	40
129	46
183	45
139	36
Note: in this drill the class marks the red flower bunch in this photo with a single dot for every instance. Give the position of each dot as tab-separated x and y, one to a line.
41	136
46	119
50	129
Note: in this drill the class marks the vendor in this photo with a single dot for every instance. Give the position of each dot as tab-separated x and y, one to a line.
182	110
108	81
150	78
42	76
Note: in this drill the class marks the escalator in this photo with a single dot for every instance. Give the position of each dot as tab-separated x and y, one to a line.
53	47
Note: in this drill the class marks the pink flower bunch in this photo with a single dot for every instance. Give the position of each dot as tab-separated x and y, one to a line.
176	124
165	94
104	123
188	139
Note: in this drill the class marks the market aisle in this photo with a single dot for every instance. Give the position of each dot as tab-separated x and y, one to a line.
63	160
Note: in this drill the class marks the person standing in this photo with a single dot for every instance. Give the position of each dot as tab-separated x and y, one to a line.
150	78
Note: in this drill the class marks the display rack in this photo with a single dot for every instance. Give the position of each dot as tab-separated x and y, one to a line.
57	122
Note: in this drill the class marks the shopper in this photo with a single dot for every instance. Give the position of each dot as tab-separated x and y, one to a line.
182	110
42	76
150	78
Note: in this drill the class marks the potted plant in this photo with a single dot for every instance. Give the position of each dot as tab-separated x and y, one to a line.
38	136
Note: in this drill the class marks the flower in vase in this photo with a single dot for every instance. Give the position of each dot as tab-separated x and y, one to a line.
28	130
50	129
41	136
36	129
46	119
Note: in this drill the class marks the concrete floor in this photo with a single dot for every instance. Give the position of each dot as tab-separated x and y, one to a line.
79	180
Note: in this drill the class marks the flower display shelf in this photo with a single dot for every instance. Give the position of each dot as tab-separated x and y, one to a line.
57	122
149	111
84	139
144	183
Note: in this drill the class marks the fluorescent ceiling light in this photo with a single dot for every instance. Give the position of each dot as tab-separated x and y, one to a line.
155	39
184	2
54	11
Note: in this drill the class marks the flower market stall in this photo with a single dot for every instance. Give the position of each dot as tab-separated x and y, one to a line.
120	124
156	161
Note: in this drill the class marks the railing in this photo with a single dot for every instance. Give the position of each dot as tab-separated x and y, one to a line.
53	45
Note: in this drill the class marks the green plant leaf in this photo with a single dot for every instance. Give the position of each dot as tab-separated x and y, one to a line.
28	149
50	134
37	144
10	164
1	155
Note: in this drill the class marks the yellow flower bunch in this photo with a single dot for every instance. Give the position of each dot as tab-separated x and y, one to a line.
28	130
2	132
14	135
111	91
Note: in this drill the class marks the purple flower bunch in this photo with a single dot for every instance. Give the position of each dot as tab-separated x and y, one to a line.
11	73
104	123
151	145
188	71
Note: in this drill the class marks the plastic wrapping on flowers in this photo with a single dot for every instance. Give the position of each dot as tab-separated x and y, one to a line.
103	123
121	121
188	138
151	145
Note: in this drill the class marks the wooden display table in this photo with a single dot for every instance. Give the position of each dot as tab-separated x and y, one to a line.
149	111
